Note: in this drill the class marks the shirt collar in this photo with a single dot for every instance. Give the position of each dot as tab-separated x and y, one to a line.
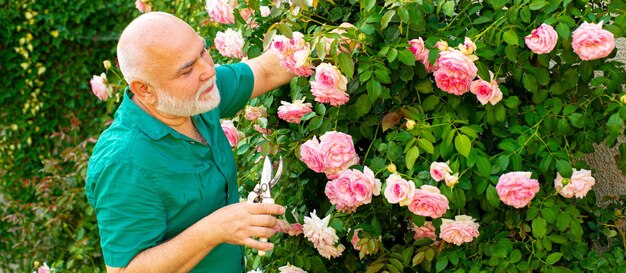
151	126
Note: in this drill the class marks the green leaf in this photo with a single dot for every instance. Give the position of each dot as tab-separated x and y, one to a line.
563	30
483	165
424	87
553	258
406	57
524	14
411	156
562	221
362	105
510	37
430	103
346	64
387	18
576	229
515	256
538	4
615	124
529	81
373	89
426	145
442	263
577	119
284	29
492	196
539	227
463	144
448	8
564	168
368	4
392	54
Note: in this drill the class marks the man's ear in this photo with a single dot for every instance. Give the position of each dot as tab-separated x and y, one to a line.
143	92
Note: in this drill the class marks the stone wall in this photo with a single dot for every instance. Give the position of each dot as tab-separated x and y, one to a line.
609	179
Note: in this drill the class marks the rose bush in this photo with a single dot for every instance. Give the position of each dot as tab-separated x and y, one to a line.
508	93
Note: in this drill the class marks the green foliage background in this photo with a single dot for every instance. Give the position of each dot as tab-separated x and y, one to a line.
48	50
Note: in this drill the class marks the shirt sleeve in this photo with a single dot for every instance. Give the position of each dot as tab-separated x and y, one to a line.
235	83
131	216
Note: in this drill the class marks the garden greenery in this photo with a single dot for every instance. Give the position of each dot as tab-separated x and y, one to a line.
394	100
430	135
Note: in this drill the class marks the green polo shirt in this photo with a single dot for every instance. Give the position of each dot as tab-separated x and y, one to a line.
148	183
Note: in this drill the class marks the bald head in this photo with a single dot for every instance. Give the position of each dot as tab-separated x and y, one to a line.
146	40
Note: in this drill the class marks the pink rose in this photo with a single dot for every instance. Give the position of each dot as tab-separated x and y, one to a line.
265	11
455	72
230	43
246	14
329	85
323	237
231	132
442	45
290	269
262	130
461	230
439	170
542	39
142	6
44	268
577	186
293	112
425	231
517	188
337	153
253	113
467	47
220	11
330	251
99	87
293	53
421	53
429	202
352	188
399	190
486	92
311	156
592	42
355	240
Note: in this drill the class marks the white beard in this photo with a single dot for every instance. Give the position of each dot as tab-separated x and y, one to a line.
186	107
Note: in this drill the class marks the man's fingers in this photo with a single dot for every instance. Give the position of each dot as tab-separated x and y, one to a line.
267	209
258	245
263	220
262	232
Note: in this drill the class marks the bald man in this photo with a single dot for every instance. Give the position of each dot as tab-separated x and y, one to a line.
162	178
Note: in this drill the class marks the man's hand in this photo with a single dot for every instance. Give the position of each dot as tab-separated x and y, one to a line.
239	223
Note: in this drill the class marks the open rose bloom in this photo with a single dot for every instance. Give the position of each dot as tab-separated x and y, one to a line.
293	112
592	42
352	188
333	153
542	39
486	91
517	189
455	72
329	85
429	202
220	11
463	229
230	43
398	190
252	113
293	53
578	185
323	237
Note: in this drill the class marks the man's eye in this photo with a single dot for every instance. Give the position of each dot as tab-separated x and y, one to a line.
187	72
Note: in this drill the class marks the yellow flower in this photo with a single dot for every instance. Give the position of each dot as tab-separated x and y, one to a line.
391	168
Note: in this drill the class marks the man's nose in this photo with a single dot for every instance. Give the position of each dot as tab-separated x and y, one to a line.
207	68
